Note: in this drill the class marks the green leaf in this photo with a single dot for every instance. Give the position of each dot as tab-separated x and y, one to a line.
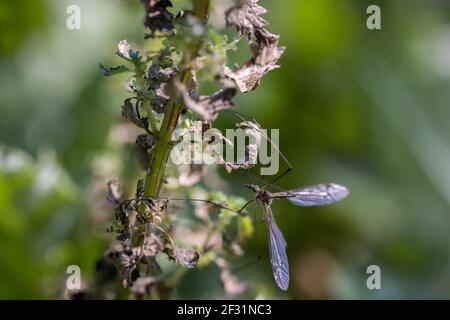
111	71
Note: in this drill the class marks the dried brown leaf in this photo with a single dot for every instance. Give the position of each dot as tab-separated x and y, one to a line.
208	107
155	205
253	130
248	76
157	17
246	17
131	113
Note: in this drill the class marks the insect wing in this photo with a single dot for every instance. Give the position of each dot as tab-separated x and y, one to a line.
278	257
317	195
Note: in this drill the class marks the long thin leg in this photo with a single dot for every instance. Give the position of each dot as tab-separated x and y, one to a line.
280	176
256	178
282	157
238	115
244	206
206	201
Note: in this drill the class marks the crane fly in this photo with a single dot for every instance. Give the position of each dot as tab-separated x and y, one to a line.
317	195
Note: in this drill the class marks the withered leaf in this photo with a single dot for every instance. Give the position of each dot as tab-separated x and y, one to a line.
186	257
157	17
248	76
140	188
253	130
131	113
126	260
208	107
246	17
110	71
155	205
159	101
158	77
152	244
122	214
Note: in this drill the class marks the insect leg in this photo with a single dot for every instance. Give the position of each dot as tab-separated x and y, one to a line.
286	161
203	200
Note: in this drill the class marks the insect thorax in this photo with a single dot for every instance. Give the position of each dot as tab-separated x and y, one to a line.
263	197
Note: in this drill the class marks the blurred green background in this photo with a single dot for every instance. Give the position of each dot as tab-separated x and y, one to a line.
365	108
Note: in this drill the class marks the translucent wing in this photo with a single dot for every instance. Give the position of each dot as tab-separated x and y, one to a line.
278	257
317	195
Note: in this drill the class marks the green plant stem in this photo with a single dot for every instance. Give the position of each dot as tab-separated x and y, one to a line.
150	116
163	147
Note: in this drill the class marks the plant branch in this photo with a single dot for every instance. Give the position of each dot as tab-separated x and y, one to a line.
163	148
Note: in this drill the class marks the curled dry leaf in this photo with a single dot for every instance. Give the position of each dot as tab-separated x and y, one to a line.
159	101
152	244
186	257
246	17
131	113
155	205
123	209
208	107
157	17
252	130
123	212
158	77
126	260
248	76
157	74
